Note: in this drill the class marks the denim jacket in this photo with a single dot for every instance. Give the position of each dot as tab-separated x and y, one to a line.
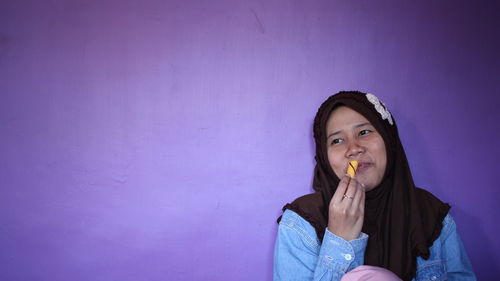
299	255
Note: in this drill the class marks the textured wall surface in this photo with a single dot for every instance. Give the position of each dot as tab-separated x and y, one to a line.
158	140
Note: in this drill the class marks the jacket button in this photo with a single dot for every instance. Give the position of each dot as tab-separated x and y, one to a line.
348	257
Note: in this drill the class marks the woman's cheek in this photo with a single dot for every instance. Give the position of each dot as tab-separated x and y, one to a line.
336	162
338	169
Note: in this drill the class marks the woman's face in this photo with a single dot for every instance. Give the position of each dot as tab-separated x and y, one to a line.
351	137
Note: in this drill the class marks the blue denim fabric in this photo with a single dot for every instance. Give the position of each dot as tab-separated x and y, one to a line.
298	254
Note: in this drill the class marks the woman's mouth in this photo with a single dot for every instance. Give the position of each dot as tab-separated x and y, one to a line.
363	166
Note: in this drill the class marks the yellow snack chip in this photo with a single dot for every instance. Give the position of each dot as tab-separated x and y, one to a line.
351	168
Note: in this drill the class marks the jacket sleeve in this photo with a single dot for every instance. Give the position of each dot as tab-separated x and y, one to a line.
457	263
298	254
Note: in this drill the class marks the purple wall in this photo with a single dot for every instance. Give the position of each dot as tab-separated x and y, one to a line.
158	140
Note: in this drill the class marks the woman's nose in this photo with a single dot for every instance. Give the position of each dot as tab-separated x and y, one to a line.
354	149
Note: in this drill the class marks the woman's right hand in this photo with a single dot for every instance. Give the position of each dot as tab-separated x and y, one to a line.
347	209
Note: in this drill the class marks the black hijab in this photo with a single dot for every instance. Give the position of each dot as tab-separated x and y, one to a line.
402	221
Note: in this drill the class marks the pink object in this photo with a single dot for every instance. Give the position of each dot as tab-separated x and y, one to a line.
370	273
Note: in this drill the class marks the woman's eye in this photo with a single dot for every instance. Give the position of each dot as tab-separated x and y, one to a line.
364	132
336	141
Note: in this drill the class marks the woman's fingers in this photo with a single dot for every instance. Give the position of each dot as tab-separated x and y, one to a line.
358	199
346	212
341	190
352	189
351	192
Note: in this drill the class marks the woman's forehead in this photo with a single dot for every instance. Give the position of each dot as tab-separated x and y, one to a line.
345	116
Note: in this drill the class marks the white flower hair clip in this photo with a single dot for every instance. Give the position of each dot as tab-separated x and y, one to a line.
380	107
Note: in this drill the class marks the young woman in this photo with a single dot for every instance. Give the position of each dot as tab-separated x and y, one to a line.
374	226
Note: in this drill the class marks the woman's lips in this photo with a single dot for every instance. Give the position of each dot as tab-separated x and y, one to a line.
363	166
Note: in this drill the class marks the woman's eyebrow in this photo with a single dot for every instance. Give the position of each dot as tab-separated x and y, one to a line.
362	124
332	134
355	126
